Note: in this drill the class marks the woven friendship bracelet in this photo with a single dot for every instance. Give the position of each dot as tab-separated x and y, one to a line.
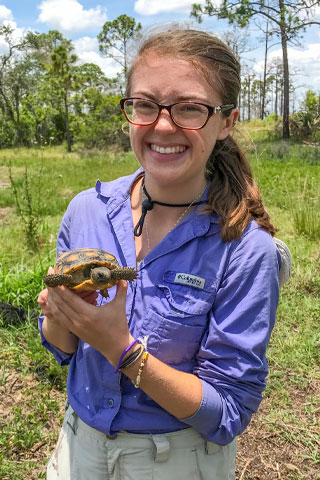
143	361
126	350
132	358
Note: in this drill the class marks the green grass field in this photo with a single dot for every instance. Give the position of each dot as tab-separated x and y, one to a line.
283	439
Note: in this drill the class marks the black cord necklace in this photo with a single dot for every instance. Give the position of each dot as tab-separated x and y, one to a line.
148	204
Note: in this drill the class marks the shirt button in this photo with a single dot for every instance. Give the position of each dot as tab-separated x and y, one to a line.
110	402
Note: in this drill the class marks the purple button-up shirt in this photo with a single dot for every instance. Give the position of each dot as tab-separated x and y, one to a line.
207	306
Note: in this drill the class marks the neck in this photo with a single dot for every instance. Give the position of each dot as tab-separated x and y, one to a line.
148	203
173	194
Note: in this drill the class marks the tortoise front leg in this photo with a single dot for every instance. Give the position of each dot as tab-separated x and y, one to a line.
124	273
55	279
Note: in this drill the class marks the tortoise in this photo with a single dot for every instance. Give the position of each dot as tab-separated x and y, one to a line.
88	269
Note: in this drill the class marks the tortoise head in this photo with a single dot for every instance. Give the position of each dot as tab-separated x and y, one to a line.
100	275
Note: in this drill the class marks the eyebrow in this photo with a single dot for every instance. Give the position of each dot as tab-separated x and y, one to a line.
178	97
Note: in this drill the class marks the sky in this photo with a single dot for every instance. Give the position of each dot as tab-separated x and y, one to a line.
81	21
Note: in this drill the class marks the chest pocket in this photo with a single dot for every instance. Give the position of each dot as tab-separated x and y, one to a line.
178	299
178	318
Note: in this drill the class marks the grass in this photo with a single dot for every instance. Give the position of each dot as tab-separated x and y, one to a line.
27	377
283	439
62	177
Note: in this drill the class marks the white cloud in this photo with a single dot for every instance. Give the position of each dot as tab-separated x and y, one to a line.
152	7
305	62
87	50
85	44
5	14
17	35
69	16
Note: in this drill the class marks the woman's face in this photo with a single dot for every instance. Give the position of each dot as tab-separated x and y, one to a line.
167	80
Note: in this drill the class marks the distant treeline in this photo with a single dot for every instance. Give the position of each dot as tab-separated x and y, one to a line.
47	98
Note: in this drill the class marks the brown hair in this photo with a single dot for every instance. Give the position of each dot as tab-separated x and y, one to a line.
233	193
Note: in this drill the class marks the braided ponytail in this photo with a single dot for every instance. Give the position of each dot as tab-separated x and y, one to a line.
233	193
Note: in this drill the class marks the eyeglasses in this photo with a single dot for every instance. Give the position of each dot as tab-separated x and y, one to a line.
187	115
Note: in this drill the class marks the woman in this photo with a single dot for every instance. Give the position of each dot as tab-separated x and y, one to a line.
191	220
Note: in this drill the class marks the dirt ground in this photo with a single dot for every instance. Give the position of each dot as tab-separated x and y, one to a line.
266	451
275	451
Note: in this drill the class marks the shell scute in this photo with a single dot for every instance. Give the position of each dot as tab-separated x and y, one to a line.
73	260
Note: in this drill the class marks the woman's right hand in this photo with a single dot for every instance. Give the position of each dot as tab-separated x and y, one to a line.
90	296
53	330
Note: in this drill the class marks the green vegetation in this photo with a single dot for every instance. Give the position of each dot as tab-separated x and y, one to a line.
54	177
47	97
32	385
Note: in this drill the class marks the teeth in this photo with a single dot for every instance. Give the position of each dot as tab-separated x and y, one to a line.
168	150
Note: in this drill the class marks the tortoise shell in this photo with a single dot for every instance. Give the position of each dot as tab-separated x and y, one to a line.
75	269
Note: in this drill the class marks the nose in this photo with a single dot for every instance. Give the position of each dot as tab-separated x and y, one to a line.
165	122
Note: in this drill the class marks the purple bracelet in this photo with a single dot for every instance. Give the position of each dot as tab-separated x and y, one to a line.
123	354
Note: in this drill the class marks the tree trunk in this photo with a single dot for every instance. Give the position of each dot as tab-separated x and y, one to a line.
286	99
68	136
9	109
249	99
265	74
276	99
125	59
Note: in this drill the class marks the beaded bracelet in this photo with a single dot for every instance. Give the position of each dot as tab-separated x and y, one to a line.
126	350
143	361
131	359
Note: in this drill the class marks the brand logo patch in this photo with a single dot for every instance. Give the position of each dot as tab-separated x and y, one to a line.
188	279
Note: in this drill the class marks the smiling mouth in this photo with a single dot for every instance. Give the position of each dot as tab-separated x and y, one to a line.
168	150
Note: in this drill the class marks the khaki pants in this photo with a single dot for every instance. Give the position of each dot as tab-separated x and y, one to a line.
83	453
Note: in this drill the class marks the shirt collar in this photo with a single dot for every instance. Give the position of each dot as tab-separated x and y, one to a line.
121	187
118	192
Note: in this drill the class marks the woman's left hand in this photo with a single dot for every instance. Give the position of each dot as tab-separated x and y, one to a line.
105	328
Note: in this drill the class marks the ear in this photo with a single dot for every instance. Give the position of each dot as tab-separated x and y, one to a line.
227	124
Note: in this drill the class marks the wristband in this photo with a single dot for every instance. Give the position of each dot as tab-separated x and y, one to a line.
126	350
143	361
131	359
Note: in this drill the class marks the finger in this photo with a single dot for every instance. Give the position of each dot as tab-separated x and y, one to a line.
50	270
89	296
43	297
57	305
70	306
86	293
121	293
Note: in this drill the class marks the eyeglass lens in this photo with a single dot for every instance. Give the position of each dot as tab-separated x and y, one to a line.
145	112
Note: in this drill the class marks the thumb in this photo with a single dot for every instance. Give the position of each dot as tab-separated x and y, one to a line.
121	293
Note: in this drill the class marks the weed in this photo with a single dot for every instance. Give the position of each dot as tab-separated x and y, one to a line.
305	212
310	155
21	286
27	202
306	221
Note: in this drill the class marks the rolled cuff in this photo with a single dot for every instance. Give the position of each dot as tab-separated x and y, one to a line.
207	418
61	357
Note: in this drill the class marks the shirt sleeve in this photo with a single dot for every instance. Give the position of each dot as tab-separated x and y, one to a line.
232	365
61	357
63	240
